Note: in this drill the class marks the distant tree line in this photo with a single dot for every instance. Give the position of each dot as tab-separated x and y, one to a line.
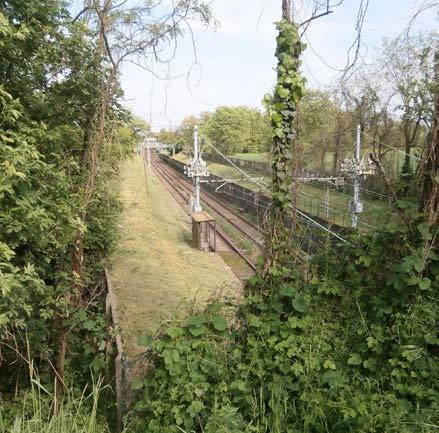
391	99
233	129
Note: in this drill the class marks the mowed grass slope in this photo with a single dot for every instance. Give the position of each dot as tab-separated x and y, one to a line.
156	271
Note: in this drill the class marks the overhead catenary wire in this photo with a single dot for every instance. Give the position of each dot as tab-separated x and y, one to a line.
392	147
302	214
302	197
336	211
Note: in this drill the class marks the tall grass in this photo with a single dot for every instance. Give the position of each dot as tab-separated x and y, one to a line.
37	411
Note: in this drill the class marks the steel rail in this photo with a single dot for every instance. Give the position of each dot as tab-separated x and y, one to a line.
220	231
216	205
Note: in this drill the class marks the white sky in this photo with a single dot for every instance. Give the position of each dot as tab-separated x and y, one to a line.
236	61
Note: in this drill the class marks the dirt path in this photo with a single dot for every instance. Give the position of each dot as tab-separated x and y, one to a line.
156	271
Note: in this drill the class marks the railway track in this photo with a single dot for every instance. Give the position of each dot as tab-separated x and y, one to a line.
243	225
180	188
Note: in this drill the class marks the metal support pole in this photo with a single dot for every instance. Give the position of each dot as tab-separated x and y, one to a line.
196	181
356	203
327	203
148	153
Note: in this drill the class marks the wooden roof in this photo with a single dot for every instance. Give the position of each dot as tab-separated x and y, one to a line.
202	217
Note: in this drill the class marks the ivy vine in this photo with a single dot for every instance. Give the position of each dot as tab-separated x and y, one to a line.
288	92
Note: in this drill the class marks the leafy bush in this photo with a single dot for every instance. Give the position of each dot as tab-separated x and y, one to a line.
355	348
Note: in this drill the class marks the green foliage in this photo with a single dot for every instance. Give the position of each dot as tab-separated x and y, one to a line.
317	124
34	411
49	100
237	129
355	348
232	129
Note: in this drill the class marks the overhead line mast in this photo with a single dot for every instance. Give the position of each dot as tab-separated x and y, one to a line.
357	169
196	169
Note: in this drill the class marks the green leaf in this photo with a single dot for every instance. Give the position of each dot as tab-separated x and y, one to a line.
3	319
195	407
254	321
425	284
431	339
196	332
276	118
370	364
299	303
140	406
285	367
355	359
282	92
145	340
287	290
424	229
365	260
334	378
175	355
136	384
196	320
219	323
238	384
89	325
279	132
174	332
329	365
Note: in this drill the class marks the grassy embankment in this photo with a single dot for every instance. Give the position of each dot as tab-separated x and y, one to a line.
156	270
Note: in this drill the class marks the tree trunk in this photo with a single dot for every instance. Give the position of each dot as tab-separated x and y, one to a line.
286	10
337	143
60	364
430	170
78	262
323	151
389	183
408	146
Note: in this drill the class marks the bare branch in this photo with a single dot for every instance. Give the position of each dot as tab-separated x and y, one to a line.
306	22
87	8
